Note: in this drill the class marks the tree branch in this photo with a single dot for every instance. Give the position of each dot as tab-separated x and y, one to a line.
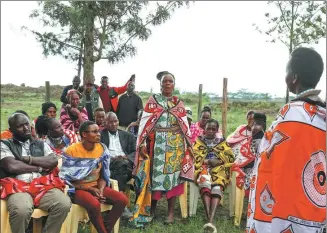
53	39
309	18
147	23
102	38
281	11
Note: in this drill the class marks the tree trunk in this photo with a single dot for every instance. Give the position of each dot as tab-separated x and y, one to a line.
89	44
291	46
79	64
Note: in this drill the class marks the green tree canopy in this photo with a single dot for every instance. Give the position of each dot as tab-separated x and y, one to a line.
87	31
296	23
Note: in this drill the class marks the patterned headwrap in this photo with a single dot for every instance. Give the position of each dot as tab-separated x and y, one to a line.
162	74
73	91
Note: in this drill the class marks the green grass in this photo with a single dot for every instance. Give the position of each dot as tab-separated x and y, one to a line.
30	99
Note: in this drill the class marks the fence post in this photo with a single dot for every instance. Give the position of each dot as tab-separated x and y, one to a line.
224	108
47	91
200	101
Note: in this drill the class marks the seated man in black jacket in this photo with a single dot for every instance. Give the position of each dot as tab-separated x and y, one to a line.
29	178
122	147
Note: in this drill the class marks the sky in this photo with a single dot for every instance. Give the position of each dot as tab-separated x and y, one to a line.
200	44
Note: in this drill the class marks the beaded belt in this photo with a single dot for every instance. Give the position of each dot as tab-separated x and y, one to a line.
173	129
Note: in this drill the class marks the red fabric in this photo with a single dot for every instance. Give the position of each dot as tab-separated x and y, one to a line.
92	206
174	192
104	95
37	188
205	190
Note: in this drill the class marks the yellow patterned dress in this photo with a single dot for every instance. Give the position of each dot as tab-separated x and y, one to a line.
215	178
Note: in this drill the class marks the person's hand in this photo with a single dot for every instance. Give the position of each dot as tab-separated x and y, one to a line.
214	162
74	111
133	124
101	185
132	78
143	151
94	191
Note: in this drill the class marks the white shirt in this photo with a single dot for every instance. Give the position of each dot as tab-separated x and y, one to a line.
115	148
6	152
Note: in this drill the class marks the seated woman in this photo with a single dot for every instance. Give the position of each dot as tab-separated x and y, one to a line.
240	142
197	128
57	137
86	167
213	160
49	110
71	115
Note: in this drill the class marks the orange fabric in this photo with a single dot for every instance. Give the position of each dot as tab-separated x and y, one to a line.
119	90
285	171
288	186
78	151
6	134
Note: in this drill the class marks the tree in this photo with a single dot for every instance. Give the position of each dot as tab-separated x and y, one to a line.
298	23
87	31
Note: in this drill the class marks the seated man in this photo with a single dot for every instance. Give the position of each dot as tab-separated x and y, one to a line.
87	168
122	147
6	134
213	159
99	115
29	179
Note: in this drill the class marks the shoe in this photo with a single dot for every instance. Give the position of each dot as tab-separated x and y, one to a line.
127	214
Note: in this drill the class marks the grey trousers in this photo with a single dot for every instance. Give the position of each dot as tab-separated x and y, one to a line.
20	207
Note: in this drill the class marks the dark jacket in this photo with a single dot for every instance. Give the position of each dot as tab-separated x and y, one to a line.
127	142
36	149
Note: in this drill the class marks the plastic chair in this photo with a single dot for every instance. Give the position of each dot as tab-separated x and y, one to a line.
78	213
195	194
36	216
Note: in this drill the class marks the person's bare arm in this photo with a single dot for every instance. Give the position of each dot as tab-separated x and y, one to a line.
47	162
14	166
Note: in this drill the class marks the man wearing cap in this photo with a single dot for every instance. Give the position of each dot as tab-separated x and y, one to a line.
91	99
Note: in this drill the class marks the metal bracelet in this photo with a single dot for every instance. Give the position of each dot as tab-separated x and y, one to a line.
30	160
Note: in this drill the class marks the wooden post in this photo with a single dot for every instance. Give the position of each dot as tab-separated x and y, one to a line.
224	108
200	101
47	91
